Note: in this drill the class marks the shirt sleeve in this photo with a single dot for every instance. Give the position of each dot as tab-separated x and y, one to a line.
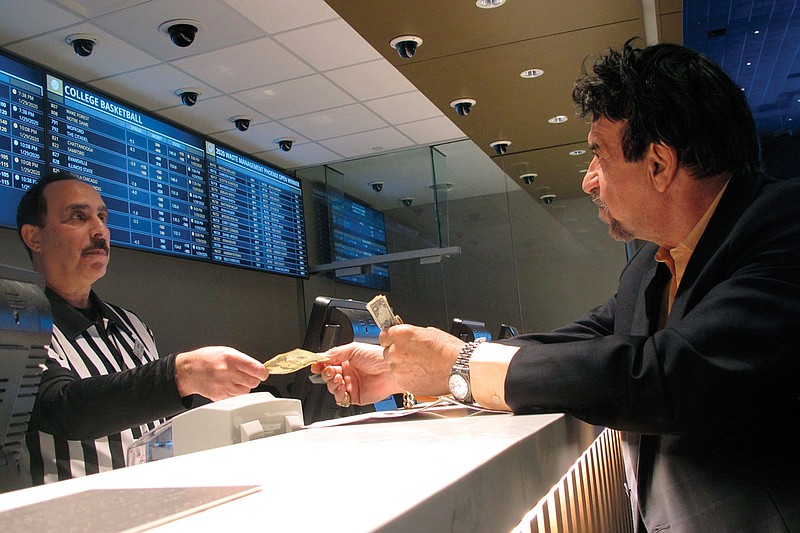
487	374
75	408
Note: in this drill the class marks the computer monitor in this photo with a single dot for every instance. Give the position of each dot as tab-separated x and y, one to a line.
507	331
469	330
26	324
334	322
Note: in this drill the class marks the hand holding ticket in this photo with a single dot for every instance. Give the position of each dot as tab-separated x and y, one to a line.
382	313
286	363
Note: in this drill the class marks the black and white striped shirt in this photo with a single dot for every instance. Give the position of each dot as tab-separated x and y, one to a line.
104	386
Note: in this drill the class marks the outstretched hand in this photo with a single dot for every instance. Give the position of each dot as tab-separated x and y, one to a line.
359	371
217	372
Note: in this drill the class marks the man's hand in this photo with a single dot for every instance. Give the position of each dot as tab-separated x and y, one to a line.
358	370
217	372
420	358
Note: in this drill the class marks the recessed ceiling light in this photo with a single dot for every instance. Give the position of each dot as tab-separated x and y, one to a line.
489	4
558	119
531	73
749	63
583	170
577	152
756	32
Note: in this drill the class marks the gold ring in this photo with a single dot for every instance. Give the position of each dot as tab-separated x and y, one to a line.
346	401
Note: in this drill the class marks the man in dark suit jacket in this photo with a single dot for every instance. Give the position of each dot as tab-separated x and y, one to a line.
695	358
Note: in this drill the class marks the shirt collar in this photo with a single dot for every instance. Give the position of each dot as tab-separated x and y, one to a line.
678	258
72	322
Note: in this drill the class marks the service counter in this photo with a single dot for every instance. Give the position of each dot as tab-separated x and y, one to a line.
442	470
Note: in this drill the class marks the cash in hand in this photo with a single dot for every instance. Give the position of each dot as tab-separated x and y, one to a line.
382	313
288	362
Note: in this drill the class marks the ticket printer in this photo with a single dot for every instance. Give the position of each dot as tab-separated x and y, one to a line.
230	421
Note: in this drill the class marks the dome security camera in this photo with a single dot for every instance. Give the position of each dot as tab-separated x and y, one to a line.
242	122
189	95
407	201
182	32
406	45
500	147
528	177
548	198
463	106
82	43
285	144
377	186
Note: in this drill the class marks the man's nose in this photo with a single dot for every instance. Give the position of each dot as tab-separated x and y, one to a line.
591	178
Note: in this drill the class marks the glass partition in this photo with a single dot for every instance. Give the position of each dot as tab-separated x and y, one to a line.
522	262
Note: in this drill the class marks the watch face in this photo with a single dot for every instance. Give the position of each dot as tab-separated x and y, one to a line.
458	386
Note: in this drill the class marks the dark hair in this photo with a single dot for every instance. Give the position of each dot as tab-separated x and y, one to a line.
32	206
676	96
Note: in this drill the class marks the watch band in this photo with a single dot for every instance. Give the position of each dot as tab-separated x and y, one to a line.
461	366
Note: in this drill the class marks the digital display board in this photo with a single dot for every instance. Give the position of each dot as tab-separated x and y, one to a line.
354	230
22	142
256	214
150	174
168	190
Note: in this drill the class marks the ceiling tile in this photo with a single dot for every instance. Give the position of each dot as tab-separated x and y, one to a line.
368	142
111	56
94	8
159	91
275	16
139	25
39	16
244	66
335	122
322	45
371	80
295	97
210	115
432	130
403	108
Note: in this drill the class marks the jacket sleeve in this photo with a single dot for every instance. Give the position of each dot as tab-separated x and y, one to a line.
73	408
728	358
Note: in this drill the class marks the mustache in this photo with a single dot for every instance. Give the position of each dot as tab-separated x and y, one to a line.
595	198
97	244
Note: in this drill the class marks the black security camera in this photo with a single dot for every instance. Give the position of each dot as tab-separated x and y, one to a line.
528	177
182	34
377	186
463	106
548	198
181	31
500	147
285	144
189	95
407	201
242	122
82	43
406	45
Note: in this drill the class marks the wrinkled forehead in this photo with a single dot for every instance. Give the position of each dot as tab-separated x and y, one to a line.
64	193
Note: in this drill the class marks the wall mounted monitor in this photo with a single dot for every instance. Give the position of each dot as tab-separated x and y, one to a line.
22	138
150	174
168	190
256	214
350	229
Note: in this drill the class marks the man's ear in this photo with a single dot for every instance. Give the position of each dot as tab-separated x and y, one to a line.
30	236
662	165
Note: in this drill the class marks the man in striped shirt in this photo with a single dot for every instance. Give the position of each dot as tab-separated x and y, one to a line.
104	383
